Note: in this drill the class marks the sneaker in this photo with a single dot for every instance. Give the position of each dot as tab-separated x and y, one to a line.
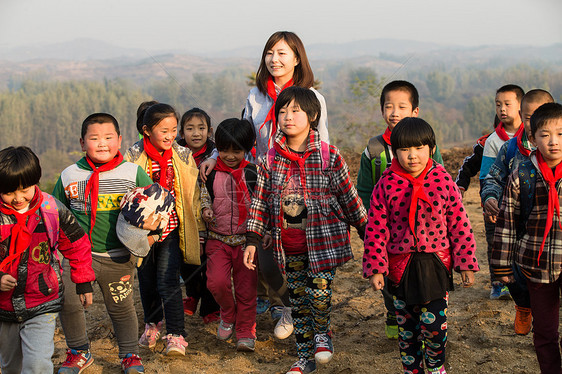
262	305
76	361
284	327
303	366
212	317
439	370
190	305
323	348
523	320
132	364
246	345
499	291
175	345
276	312
391	331
151	334
224	331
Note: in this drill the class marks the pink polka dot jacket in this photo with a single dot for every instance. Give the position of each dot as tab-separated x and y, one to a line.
441	226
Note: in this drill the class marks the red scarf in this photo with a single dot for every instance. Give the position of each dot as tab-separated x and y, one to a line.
161	159
197	155
299	159
241	188
386	135
417	192
272	92
500	130
553	202
93	186
524	151
20	236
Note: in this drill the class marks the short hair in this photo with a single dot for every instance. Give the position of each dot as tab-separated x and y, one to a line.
537	96
412	132
235	133
306	100
545	113
302	75
401	86
156	113
518	91
140	113
99	118
197	113
19	167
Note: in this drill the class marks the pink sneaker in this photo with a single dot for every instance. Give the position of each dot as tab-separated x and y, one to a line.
439	370
224	331
175	345
151	334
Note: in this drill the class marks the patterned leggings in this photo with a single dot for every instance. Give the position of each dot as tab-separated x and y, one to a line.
311	299
423	332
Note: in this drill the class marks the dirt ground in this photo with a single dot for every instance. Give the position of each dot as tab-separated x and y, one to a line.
481	336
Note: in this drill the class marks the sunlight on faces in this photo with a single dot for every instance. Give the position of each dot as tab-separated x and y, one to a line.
548	140
195	133
163	134
101	142
413	159
280	62
232	157
507	108
527	110
293	122
397	105
20	198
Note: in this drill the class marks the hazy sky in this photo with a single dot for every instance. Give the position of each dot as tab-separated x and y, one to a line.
208	25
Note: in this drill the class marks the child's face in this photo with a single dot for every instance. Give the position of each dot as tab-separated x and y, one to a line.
548	140
507	108
101	142
293	121
163	134
413	159
20	198
281	61
232	157
196	132
397	106
527	110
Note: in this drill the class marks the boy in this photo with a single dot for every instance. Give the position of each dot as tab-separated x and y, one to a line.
532	196
101	176
399	99
511	154
33	225
508	103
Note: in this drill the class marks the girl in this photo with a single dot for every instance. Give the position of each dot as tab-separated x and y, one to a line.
417	232
305	195
173	168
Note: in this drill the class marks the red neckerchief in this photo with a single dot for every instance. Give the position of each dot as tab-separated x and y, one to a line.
241	188
272	92
197	155
386	135
93	186
417	192
20	236
553	203
161	159
299	159
500	130
524	151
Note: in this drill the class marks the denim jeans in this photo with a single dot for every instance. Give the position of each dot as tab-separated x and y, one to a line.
159	285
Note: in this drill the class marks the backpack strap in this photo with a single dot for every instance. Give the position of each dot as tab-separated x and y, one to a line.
209	183
527	183
251	176
379	156
50	213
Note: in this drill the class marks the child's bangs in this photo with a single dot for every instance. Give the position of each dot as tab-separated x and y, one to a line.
412	132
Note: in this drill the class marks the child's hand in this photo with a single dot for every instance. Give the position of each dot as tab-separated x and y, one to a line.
206	167
249	253
377	281
150	223
208	215
491	208
267	241
506	279
86	299
7	282
467	278
462	190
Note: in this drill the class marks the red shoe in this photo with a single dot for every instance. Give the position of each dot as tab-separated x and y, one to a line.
212	317
190	305
523	320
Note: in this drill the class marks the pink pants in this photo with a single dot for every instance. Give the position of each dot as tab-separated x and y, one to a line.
224	261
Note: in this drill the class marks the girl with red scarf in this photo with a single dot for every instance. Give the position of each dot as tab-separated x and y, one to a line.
418	232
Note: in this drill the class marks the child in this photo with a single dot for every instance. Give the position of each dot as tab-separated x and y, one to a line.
33	225
417	232
304	194
101	176
173	167
230	186
510	155
508	103
399	99
196	133
532	197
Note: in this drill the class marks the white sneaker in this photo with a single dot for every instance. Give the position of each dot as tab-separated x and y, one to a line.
284	327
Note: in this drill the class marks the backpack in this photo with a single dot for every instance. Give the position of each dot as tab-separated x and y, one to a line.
527	183
324	155
380	156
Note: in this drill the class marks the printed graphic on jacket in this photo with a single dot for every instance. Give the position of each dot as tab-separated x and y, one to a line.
292	199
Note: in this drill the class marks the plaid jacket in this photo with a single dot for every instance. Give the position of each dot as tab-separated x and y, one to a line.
506	247
331	200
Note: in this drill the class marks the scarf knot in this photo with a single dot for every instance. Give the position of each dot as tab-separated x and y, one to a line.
500	130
